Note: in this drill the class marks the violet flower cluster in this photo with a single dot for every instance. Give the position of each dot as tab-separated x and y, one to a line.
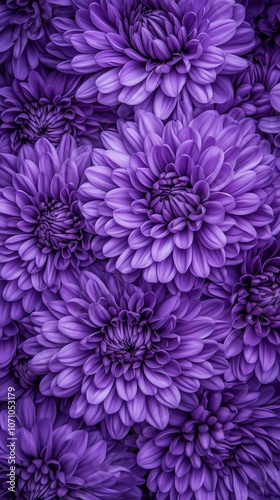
140	249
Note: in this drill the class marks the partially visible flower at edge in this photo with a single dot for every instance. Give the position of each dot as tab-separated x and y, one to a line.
45	106
25	27
43	238
225	446
57	459
253	346
155	52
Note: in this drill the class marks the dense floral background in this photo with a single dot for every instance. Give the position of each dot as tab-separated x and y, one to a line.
140	248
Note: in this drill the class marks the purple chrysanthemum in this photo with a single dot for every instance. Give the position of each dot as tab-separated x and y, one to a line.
269	22
45	106
159	50
25	26
177	201
9	335
254	343
14	362
264	17
276	202
257	93
271	124
43	239
225	447
56	460
11	330
126	353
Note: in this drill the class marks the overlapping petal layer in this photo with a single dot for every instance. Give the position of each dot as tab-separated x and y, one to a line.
25	27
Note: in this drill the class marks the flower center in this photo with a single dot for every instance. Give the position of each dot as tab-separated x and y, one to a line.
126	339
41	483
60	225
173	198
46	121
170	186
204	433
260	301
154	33
25	377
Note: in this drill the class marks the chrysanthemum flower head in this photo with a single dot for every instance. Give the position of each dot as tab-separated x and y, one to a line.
55	459
126	353
25	27
45	106
43	236
224	447
176	201
254	343
154	53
